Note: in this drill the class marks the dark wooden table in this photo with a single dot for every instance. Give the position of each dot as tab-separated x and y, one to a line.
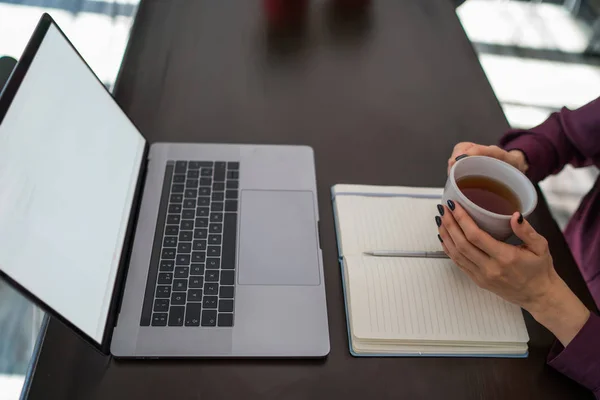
382	99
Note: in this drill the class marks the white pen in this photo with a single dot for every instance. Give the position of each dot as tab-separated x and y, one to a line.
420	254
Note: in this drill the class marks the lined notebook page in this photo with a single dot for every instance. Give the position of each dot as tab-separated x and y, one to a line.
425	299
386	223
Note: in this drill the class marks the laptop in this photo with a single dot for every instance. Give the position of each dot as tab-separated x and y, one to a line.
151	251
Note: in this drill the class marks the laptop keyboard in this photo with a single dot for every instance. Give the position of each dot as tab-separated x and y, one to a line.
192	269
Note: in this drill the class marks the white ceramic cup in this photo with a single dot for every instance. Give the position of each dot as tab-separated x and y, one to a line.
497	225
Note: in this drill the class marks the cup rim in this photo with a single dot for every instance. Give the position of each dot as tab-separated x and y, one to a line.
464	198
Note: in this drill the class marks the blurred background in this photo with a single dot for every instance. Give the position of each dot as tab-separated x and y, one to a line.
538	56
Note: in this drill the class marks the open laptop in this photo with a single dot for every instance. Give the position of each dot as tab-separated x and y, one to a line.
168	250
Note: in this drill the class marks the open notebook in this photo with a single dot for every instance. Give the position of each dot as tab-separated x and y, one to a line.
413	306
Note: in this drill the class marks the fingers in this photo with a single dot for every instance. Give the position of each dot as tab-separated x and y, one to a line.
459	149
450	248
535	242
462	244
472	149
477	237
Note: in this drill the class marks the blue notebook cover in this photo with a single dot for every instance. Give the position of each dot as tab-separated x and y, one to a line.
341	262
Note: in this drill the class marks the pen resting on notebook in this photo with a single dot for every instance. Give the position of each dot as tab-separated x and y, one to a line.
418	254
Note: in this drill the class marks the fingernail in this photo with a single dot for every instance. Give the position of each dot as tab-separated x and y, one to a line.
438	221
461	157
520	220
440	209
441	240
451	205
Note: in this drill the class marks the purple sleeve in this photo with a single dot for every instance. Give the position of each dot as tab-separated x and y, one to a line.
566	137
580	360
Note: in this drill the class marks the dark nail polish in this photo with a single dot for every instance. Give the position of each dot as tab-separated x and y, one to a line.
441	240
451	205
440	209
460	157
438	221
520	220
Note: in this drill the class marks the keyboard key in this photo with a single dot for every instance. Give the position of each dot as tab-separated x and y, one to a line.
196	282
189	213
231	205
218	196
219	171
180	167
211	276
212	263
193	174
165	278
205	181
168	254
191	183
216	217
233	175
204	191
214	239
170	241
202	211
182	259
233	165
167	265
215	228
213	251
187	225
161	305
210	302
176	315
176	198
233	184
163	292
216	207
227	277
180	285
173	219
225	320
226	292
231	194
194	165
189	203
211	289
177	188
174	208
184	247
185	236
197	269
198	256
172	230
159	319
218	186
183	272
225	305
203	201
190	193
200	233
192	314
194	295
178	178
199	245
209	318
178	298
201	222
206	172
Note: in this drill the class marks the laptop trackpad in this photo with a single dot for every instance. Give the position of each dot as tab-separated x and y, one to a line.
278	239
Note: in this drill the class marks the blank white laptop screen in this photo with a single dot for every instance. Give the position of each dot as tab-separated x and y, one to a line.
69	163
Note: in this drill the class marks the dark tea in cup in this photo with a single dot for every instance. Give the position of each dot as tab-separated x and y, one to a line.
489	194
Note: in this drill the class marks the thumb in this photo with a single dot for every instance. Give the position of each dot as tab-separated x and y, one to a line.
524	231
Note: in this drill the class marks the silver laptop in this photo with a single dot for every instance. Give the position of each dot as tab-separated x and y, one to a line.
168	250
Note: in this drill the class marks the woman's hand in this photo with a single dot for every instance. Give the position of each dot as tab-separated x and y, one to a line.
523	275
516	158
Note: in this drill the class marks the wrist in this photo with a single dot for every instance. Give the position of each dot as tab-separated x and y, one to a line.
560	311
520	159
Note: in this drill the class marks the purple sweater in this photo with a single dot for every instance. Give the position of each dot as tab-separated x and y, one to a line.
572	137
